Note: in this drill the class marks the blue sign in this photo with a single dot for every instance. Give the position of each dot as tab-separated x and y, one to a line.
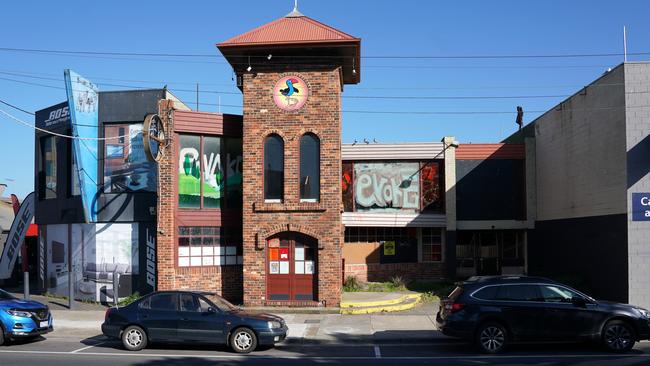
640	206
83	102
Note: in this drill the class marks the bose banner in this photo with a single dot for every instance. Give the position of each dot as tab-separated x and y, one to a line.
16	236
83	100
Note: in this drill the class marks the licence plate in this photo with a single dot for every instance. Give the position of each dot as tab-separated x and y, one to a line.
43	325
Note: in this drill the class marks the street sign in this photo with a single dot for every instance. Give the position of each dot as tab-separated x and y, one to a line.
640	206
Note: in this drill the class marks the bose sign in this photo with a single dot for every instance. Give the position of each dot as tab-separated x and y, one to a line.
54	116
16	236
640	206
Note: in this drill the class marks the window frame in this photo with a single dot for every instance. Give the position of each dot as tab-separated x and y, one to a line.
264	173
42	171
316	140
220	241
421	245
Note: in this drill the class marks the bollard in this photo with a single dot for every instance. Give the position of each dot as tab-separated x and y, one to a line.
26	284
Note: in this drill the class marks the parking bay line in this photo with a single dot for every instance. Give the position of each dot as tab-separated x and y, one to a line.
87	347
465	357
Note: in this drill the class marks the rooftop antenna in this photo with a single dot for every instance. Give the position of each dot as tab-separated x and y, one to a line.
624	44
295	13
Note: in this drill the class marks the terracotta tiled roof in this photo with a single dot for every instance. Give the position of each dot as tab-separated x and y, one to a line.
292	28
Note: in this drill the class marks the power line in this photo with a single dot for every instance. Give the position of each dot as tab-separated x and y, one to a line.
17	108
396	57
14	118
30	74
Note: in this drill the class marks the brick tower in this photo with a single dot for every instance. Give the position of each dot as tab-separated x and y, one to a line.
292	72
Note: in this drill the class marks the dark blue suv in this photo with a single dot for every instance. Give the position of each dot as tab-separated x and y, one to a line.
22	319
496	311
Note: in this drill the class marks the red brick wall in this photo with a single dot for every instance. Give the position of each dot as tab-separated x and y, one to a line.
321	220
224	280
376	272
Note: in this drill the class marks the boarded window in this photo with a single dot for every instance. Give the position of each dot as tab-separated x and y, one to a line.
387	186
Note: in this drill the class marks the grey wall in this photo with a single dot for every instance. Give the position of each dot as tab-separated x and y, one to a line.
637	102
580	153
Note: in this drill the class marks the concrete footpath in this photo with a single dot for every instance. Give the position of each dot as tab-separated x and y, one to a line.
417	325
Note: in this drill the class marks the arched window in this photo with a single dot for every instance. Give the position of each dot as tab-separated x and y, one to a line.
309	167
273	168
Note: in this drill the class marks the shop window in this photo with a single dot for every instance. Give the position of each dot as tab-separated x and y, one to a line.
234	166
213	180
189	172
209	172
396	244
126	167
273	168
347	188
431	245
48	168
309	167
201	246
431	186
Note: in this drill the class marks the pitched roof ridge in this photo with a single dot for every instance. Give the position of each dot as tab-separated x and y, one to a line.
329	27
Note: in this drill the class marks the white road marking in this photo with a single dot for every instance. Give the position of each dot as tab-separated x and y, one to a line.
87	347
377	352
297	357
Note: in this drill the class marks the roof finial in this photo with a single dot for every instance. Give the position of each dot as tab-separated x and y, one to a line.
295	13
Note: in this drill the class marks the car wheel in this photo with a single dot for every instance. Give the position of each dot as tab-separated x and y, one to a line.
134	338
2	336
492	338
243	340
618	336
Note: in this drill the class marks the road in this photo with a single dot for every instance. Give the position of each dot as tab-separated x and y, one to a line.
99	351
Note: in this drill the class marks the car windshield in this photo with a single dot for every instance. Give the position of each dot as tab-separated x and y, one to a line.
6	296
221	303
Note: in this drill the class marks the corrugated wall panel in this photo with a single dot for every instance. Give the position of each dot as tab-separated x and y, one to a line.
393	219
425	150
209	123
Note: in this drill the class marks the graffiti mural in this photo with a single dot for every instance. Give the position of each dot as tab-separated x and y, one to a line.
387	186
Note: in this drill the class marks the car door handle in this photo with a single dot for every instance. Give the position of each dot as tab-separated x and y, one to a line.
185	319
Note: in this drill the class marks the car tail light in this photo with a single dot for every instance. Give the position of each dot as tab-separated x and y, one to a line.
454	307
108	313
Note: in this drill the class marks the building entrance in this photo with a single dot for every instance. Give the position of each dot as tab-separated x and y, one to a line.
292	268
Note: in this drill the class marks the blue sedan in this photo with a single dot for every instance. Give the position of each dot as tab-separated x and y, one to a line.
21	319
192	317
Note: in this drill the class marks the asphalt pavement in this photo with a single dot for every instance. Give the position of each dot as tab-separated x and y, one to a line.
99	351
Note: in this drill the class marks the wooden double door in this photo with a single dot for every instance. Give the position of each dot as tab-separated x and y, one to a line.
292	268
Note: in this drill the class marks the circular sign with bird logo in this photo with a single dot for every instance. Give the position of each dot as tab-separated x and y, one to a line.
290	93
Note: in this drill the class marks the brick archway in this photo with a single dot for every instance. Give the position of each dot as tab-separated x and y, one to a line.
268	232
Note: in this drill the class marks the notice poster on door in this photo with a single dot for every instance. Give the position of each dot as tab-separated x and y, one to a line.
274	254
284	254
389	247
274	267
309	267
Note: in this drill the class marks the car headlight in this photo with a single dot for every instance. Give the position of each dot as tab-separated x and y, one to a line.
18	313
644	313
274	325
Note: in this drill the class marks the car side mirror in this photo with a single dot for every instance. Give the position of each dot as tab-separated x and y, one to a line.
579	301
212	310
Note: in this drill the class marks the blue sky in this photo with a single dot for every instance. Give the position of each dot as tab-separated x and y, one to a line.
387	28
